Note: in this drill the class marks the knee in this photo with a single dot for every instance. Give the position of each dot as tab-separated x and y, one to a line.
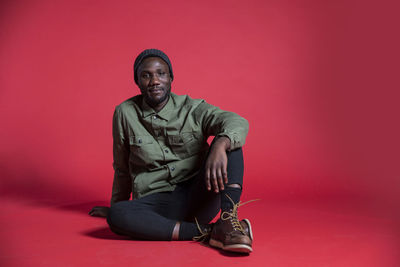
235	155
235	151
235	185
117	212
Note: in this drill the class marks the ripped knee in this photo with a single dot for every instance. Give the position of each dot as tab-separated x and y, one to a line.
234	186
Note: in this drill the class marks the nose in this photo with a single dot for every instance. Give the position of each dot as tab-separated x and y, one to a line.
154	80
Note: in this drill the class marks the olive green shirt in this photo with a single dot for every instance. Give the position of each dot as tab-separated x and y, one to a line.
153	151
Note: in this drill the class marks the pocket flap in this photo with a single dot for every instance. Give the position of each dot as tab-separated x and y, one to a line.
140	140
175	140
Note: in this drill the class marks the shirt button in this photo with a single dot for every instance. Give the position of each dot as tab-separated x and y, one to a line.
155	117
172	168
140	141
166	150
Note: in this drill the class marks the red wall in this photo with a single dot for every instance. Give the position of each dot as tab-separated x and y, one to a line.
317	80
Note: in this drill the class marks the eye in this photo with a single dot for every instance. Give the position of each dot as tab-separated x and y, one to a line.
162	74
145	76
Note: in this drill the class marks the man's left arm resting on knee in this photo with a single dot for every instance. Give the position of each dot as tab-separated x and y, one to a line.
230	131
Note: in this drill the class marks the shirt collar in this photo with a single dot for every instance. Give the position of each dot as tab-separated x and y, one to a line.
164	113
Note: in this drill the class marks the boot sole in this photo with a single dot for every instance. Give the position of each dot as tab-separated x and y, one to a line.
239	248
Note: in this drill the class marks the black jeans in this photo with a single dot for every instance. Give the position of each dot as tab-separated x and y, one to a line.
153	217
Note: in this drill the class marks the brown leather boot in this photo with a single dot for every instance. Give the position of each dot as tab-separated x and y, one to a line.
245	223
230	234
205	231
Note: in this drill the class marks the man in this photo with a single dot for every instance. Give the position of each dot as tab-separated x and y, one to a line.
161	156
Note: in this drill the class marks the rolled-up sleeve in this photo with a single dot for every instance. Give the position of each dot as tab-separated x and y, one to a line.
218	122
122	184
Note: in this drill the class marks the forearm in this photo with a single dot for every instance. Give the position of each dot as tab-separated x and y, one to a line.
122	187
221	142
235	128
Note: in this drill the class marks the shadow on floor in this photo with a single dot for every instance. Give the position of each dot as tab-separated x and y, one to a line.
83	207
104	233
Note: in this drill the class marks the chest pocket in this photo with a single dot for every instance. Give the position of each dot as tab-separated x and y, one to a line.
186	143
141	150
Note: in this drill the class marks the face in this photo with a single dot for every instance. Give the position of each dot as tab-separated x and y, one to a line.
154	81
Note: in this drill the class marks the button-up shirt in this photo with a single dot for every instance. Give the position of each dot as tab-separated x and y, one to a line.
153	151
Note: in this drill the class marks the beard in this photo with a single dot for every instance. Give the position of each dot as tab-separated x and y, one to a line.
153	102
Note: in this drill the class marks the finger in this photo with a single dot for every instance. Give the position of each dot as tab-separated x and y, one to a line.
219	177
207	178
214	180
225	177
221	184
225	170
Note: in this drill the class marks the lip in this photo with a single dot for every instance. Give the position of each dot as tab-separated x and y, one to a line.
156	90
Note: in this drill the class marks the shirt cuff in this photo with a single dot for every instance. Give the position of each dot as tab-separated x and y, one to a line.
235	143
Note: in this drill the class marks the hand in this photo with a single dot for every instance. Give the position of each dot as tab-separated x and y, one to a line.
99	211
216	165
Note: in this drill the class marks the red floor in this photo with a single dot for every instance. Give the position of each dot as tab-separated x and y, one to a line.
287	233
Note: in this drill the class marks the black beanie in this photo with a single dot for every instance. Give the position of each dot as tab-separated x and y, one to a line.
151	53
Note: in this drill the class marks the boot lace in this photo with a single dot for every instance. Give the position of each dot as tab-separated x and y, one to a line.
203	233
232	215
226	215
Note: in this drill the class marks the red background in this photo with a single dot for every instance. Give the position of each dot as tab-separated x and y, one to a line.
317	80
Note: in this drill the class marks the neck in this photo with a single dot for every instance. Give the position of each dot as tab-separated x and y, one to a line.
159	106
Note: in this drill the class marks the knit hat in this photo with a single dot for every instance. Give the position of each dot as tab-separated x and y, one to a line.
151	53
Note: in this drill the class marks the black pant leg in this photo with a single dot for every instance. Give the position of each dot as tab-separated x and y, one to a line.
154	217
150	218
205	205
